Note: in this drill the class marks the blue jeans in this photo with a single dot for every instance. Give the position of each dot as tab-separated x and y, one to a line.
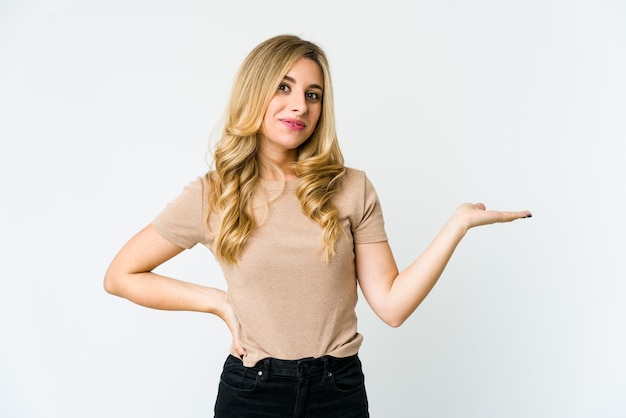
323	387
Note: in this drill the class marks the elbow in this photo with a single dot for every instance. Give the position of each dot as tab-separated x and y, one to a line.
394	323
111	284
390	314
108	287
394	320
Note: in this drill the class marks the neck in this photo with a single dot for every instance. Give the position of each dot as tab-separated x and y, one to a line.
272	171
278	166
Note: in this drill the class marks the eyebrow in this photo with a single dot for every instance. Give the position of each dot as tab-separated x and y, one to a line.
293	80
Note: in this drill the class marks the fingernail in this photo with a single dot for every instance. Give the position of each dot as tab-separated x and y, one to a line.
530	215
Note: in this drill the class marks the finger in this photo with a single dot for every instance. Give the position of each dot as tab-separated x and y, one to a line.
511	216
239	349
242	353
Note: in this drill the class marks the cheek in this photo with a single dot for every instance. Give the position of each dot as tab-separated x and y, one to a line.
267	118
316	118
270	110
263	128
275	105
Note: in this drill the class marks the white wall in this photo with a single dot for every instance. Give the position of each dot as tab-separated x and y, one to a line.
105	111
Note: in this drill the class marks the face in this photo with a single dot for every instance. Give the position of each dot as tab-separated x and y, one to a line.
293	112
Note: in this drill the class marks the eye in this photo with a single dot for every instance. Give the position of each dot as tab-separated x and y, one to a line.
284	87
313	96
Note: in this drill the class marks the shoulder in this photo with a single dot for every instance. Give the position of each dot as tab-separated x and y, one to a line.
355	189
353	177
199	187
194	192
182	221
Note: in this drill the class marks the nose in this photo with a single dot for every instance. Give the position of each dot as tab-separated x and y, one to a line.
297	102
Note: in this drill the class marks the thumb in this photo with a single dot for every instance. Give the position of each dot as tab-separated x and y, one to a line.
239	349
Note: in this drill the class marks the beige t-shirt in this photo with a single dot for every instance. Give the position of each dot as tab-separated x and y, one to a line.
290	303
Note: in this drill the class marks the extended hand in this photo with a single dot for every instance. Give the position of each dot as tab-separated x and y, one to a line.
475	214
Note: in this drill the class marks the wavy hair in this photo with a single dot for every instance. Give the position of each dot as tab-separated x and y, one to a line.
235	180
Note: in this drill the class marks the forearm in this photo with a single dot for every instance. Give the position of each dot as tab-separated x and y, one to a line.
394	296
159	292
412	285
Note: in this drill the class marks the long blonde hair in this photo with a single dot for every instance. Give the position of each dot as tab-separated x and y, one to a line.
235	179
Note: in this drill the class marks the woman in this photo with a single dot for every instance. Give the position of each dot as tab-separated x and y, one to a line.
294	231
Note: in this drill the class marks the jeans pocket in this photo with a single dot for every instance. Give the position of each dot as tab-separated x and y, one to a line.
347	378
239	378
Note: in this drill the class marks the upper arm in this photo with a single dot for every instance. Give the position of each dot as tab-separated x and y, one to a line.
142	253
376	271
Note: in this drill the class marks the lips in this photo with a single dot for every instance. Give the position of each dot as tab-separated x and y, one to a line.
293	124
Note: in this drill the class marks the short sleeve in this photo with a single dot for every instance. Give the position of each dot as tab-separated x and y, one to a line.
367	222
371	228
182	221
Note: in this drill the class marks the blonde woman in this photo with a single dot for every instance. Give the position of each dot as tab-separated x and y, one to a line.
295	232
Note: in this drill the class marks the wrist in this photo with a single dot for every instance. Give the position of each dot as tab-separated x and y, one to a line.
216	302
458	224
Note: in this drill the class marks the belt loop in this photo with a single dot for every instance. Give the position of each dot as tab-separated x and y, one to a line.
326	373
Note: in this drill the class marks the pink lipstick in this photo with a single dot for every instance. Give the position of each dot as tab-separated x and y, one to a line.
293	124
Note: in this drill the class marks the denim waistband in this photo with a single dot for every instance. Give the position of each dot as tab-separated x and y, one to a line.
303	367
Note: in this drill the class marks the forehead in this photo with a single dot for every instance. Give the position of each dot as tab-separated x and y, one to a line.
306	71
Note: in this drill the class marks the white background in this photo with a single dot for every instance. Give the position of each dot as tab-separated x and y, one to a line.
106	108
